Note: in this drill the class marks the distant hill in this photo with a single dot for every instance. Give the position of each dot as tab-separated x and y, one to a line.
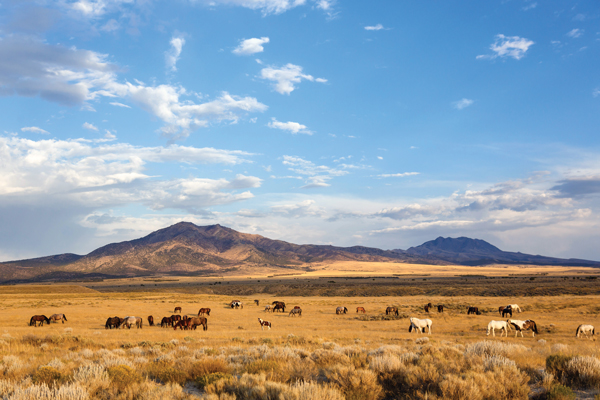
466	251
188	249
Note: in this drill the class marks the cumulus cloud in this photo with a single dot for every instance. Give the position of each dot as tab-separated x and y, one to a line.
462	103
508	46
285	77
34	129
293	127
91	127
172	55
575	33
251	46
377	27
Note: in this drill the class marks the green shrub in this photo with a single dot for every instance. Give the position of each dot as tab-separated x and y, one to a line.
123	376
560	392
47	375
266	366
556	364
205	380
171	375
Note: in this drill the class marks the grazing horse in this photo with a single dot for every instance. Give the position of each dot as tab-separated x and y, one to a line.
175	318
391	310
269	308
203	311
195	321
507	311
440	308
236	304
257	302
426	308
360	309
58	317
429	305
263	324
295	311
341	310
521	326
137	321
515	307
473	310
181	325
39	318
279	306
166	322
420	325
150	320
502	325
112	321
586	330
177	309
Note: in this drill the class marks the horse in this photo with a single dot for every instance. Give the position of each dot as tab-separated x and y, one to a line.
279	306
257	302
203	311
58	317
181	325
263	324
195	321
175	318
507	311
295	311
177	309
341	310
112	321
440	308
391	310
473	310
360	309
521	326
278	302
429	305
502	325
137	321
150	320
166	322
586	330
426	308
420	325
39	318
269	308
515	307
236	304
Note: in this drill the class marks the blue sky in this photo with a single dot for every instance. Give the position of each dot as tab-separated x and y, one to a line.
383	124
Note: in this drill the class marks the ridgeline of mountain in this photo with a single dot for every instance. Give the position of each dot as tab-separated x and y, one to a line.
188	249
466	251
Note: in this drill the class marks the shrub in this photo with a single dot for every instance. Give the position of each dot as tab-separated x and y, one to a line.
209	379
46	375
583	371
560	392
266	366
168	374
123	376
312	391
556	364
43	392
208	366
356	384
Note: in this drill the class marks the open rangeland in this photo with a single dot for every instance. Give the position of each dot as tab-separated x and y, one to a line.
318	355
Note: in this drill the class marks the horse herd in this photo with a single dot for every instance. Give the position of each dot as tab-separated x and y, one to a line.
417	325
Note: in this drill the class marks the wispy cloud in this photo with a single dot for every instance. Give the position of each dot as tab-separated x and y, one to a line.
462	103
377	27
251	46
91	127
116	104
530	6
575	33
293	127
172	55
398	175
508	46
34	129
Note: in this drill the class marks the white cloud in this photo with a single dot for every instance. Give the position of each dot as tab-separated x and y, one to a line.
91	127
462	103
306	208
266	6
377	27
111	26
172	55
251	46
508	46
530	6
293	127
316	175
285	77
116	104
596	92
398	175
34	129
575	33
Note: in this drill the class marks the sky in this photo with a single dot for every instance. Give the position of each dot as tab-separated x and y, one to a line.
382	124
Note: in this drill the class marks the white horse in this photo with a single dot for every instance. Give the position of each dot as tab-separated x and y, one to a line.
586	330
269	308
420	325
137	321
515	307
502	325
521	326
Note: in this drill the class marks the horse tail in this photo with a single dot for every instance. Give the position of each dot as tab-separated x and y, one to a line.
65	317
577	331
534	327
593	331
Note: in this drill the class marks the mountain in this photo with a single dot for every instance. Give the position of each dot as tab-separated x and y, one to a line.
466	251
188	249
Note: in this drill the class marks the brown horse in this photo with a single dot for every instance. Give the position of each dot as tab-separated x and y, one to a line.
507	311
521	326
204	311
175	318
257	302
58	317
39	318
360	309
112	322
440	308
177	309
473	310
279	306
391	311
166	322
426	308
194	322
150	320
180	325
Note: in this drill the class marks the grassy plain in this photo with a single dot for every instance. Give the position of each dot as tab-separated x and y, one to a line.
319	355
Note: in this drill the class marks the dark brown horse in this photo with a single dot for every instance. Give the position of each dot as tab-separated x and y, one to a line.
279	307
181	325
39	318
112	322
440	308
473	310
175	318
257	302
391	311
166	322
204	311
360	309
507	311
177	309
150	320
426	308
